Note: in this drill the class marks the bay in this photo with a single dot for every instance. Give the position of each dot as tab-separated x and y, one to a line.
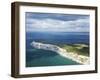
38	57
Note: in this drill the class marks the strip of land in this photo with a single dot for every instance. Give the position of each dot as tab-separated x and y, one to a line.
76	52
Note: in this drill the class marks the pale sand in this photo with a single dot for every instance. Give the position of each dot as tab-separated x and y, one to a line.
73	56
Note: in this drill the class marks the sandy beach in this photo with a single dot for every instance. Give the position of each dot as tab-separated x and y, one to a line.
73	56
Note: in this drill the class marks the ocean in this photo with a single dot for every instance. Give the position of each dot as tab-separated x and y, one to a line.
39	58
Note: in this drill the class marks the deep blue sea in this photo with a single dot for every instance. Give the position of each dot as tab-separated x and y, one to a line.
38	57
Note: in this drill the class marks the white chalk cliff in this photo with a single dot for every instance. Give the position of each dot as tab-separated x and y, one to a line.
73	56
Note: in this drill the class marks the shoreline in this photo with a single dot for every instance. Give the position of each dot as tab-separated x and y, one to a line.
70	55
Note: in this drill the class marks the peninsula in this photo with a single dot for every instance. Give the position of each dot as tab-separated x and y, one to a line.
82	59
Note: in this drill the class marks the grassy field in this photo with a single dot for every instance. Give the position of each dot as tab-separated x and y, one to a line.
82	49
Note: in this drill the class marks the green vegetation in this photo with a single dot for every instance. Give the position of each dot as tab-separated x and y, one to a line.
81	49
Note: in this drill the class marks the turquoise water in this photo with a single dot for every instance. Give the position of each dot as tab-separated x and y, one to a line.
39	58
46	58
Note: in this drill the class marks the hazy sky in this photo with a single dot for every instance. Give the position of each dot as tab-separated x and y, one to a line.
56	22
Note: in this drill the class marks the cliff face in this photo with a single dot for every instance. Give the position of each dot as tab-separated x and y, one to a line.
73	56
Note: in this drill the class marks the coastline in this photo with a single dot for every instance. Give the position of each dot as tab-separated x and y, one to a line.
64	53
